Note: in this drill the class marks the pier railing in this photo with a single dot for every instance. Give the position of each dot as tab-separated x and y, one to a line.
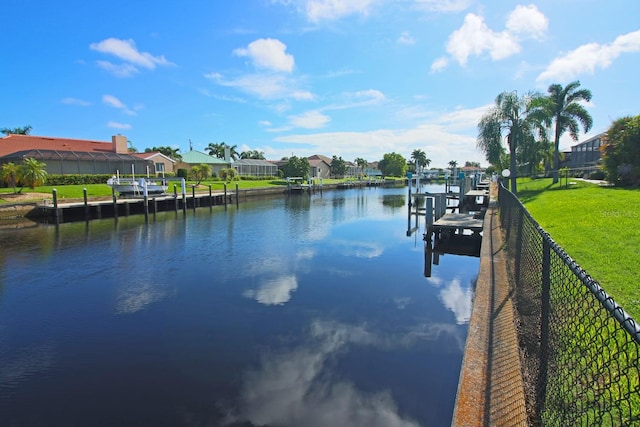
581	349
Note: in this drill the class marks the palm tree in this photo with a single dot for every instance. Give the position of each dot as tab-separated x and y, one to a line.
167	151
218	150
10	174
420	158
513	115
25	130
215	149
562	107
452	165
362	164
252	154
33	172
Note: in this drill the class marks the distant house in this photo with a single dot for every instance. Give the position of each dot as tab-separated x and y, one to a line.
255	167
194	157
74	156
319	166
372	169
162	163
585	154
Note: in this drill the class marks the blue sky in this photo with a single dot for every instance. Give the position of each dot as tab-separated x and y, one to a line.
353	78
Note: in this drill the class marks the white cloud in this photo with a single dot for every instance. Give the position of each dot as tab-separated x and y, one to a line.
587	58
118	70
406	38
264	86
310	120
116	125
475	38
127	51
269	54
527	21
321	10
114	102
439	64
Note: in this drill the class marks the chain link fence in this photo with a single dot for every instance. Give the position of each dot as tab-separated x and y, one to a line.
581	349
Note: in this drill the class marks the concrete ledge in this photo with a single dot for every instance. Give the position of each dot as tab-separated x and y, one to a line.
491	390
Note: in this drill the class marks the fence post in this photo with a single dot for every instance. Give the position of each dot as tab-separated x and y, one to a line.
541	389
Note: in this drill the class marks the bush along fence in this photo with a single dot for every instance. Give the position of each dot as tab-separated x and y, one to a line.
581	349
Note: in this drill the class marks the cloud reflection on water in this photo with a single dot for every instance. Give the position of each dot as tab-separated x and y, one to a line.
458	300
297	388
275	291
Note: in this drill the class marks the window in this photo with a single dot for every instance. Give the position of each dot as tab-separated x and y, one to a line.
159	167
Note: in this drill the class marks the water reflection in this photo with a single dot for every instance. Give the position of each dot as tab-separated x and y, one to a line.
297	387
458	300
310	310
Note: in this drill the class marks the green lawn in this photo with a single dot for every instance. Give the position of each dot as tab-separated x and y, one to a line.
597	226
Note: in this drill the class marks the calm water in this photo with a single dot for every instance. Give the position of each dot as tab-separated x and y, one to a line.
300	311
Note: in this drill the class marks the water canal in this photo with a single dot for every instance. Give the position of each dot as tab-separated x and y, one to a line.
289	311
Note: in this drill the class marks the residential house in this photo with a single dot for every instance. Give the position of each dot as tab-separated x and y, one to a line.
163	163
319	166
194	157
585	154
74	156
255	167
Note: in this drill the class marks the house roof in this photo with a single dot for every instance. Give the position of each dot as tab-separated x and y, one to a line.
152	154
254	162
14	143
316	157
197	157
316	162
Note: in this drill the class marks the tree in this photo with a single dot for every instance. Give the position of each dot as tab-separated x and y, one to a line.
25	130
338	167
33	172
215	149
252	154
452	165
296	167
362	164
420	159
218	150
562	108
621	151
10	174
513	115
172	153
393	164
200	172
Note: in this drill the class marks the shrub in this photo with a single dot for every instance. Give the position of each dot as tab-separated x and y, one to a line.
182	173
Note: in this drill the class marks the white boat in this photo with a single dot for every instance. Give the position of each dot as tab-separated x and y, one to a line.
137	187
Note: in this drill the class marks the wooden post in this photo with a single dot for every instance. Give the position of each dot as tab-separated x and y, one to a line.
175	197
225	194
184	196
56	212
428	215
115	203
210	197
237	195
193	195
86	203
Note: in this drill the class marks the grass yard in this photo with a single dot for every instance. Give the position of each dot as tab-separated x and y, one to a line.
599	227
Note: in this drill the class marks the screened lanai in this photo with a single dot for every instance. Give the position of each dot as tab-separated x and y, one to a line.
77	162
255	167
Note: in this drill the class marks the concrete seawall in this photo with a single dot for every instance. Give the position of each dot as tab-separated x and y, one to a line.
491	388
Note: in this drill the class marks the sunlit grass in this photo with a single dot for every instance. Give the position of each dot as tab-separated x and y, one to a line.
597	226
